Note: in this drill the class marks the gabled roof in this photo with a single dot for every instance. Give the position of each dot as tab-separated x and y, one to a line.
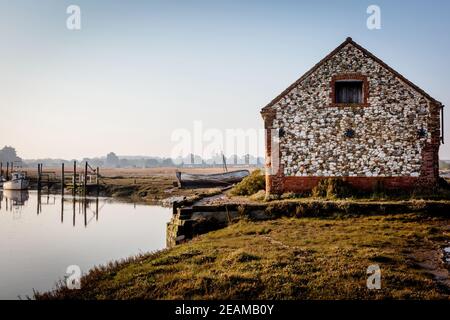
330	55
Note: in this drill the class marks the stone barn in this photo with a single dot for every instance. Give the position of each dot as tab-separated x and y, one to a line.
352	116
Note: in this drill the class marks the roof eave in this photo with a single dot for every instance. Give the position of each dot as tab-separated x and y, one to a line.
329	56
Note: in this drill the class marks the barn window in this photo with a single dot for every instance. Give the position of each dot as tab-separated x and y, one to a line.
348	91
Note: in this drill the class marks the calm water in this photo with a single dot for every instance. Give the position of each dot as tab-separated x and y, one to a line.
41	236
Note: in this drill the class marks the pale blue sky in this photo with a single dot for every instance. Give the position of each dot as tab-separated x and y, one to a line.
140	69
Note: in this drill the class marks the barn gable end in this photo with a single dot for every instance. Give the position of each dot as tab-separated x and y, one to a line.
390	135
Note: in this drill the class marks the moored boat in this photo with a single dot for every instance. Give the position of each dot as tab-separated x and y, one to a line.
18	181
211	180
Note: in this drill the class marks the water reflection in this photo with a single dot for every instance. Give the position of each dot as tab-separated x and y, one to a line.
13	198
48	232
88	208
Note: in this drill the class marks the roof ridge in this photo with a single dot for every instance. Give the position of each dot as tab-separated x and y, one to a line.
396	73
348	40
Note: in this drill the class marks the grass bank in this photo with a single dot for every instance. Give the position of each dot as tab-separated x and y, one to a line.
286	258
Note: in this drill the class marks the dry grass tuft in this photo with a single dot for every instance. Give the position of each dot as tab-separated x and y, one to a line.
251	184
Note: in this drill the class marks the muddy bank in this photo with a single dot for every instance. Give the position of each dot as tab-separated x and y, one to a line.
152	189
192	219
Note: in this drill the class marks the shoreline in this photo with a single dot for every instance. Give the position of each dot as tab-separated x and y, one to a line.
276	239
315	257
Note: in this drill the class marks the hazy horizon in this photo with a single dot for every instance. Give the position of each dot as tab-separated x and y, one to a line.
139	70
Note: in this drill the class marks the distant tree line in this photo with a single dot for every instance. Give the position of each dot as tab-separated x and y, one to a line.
112	160
9	154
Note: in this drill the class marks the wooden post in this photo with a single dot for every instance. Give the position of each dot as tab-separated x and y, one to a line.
85	177
96	209
62	208
73	208
7	171
74	177
96	180
39	206
39	177
12	167
85	212
224	163
62	178
1	169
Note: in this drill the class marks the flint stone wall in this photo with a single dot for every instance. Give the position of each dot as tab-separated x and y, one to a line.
386	141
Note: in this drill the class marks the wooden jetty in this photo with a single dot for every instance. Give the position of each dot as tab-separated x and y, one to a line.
78	180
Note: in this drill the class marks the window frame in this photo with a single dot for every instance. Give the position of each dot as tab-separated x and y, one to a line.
350	77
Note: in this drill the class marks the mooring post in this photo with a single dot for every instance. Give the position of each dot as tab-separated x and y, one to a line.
1	169
62	178
96	180
12	167
96	209
85	177
62	208
74	177
39	177
85	212
73	208
39	206
7	171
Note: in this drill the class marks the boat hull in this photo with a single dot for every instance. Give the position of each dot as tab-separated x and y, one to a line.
211	180
20	184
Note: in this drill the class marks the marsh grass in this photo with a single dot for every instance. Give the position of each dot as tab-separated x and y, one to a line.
286	258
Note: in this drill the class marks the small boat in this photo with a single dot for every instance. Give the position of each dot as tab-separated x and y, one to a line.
18	181
211	180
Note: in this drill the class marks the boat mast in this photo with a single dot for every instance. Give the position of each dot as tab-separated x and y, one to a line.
224	163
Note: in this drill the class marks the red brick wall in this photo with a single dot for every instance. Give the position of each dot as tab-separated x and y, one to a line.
302	184
429	173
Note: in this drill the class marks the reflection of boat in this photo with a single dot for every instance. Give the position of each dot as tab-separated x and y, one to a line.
211	180
18	182
1	181
17	197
